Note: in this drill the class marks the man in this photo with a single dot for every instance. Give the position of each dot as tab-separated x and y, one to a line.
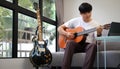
89	46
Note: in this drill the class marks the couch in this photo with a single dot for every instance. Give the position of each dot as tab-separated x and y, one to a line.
113	56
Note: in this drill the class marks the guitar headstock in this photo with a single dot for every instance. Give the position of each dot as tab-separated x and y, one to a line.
36	6
106	26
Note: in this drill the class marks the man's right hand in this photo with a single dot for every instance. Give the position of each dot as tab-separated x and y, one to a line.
70	35
61	30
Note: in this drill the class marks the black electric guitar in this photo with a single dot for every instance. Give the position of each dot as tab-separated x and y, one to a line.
40	54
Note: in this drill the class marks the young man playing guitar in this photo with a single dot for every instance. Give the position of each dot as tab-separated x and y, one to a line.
87	45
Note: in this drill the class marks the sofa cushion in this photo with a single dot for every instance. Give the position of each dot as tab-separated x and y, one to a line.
78	59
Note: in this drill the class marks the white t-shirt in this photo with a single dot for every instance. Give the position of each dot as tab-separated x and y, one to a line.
76	22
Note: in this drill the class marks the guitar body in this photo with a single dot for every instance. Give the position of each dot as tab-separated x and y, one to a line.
40	55
63	39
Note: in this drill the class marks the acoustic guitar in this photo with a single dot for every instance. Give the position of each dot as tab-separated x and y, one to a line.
78	33
40	54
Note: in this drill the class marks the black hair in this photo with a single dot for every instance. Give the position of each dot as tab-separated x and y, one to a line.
85	7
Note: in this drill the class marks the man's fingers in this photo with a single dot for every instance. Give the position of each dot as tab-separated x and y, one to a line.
70	35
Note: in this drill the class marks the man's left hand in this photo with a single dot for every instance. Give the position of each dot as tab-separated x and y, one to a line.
99	30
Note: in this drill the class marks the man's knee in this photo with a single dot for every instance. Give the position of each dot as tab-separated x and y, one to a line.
93	45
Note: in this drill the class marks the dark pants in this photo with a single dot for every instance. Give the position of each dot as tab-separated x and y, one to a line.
73	47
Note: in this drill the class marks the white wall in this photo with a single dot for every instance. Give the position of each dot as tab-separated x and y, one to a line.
104	11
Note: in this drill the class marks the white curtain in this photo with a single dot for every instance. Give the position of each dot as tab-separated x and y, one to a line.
60	16
60	11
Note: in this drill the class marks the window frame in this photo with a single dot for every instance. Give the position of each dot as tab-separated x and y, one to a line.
18	9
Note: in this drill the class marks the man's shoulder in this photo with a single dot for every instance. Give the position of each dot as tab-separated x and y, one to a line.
74	20
77	18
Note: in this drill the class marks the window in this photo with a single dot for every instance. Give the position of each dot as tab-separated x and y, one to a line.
26	29
27	26
20	21
49	9
50	35
5	32
27	4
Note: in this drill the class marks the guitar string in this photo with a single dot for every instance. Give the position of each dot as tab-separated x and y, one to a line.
86	31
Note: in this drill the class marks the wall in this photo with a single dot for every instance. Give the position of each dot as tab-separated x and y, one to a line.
104	11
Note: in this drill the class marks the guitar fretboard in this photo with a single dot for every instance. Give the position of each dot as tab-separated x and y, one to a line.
39	25
86	31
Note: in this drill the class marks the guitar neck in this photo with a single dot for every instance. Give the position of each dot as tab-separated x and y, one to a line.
86	31
39	25
106	26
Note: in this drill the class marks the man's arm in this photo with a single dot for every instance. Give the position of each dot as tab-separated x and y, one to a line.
61	29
